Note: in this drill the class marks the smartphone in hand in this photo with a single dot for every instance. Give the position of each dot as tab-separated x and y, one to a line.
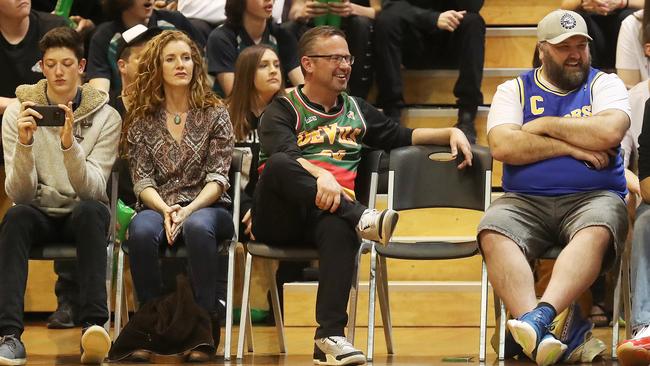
53	116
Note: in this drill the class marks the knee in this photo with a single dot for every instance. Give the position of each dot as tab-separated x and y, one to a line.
211	227
388	20
19	216
195	226
146	226
474	23
487	240
90	212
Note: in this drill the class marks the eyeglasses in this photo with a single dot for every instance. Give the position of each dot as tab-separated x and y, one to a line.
336	58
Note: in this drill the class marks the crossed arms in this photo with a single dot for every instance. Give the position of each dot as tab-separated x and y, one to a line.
591	139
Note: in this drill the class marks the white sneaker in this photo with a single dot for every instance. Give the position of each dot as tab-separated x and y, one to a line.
95	344
337	351
377	225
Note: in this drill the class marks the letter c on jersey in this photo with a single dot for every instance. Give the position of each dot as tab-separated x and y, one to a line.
533	105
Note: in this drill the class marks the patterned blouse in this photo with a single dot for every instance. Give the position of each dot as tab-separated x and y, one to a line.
179	172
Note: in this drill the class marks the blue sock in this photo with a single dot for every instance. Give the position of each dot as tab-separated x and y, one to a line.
548	311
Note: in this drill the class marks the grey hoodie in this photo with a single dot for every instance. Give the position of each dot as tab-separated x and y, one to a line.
46	176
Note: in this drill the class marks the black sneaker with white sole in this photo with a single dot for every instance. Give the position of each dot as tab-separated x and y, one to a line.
337	351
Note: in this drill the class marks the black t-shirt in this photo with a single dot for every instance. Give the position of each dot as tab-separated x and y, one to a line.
19	63
89	9
102	56
227	41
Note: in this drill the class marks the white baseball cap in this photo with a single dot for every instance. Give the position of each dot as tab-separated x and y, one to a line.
559	25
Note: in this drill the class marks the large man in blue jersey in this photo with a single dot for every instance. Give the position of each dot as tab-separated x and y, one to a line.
557	129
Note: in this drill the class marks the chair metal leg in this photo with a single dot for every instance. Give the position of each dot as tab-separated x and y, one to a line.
354	293
371	304
275	300
229	300
616	312
245	312
118	292
627	296
484	314
384	303
502	330
249	330
110	257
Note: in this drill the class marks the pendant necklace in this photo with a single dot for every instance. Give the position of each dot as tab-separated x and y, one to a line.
177	117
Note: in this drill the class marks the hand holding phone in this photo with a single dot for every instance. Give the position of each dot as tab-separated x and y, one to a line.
26	122
51	115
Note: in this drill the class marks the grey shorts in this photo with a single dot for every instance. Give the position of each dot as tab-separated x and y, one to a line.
537	223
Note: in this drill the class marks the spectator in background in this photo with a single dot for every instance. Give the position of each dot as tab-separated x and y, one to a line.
604	18
57	177
357	21
258	79
179	141
123	14
425	34
21	28
86	15
205	15
249	23
632	64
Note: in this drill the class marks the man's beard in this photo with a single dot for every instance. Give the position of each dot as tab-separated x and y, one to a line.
564	79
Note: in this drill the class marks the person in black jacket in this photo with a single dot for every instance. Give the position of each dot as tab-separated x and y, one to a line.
424	34
310	144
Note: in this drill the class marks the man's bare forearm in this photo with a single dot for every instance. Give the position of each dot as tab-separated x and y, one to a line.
598	133
517	147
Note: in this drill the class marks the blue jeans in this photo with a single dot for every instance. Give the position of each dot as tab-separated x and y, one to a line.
640	263
202	233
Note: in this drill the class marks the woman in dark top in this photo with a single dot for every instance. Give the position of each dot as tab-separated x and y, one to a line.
179	138
258	79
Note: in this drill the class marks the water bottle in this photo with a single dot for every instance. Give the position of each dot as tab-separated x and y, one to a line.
333	19
63	9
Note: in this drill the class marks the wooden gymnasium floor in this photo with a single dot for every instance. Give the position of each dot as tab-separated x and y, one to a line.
414	346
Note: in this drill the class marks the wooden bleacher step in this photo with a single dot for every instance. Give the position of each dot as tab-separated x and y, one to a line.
435	87
412	303
511	47
517	12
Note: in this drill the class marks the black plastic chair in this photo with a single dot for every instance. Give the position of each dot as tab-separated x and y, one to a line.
369	165
181	253
427	177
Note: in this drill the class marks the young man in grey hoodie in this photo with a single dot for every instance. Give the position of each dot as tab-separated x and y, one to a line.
57	178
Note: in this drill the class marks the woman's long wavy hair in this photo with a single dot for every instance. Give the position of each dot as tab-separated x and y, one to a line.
147	88
244	95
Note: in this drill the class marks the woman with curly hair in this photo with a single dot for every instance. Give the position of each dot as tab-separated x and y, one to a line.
258	79
179	140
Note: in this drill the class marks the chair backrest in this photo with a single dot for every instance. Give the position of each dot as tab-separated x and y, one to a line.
427	176
372	161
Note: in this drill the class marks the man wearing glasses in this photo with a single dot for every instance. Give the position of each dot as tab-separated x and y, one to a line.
310	149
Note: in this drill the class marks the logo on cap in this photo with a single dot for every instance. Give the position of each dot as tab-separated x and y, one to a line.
568	21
